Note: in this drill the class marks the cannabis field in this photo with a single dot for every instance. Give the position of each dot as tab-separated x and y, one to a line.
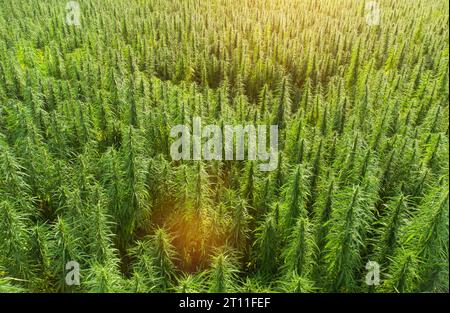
358	202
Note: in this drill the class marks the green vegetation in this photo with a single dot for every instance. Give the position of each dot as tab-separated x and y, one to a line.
86	173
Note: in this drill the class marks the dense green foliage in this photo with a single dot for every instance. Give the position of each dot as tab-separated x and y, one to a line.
85	166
